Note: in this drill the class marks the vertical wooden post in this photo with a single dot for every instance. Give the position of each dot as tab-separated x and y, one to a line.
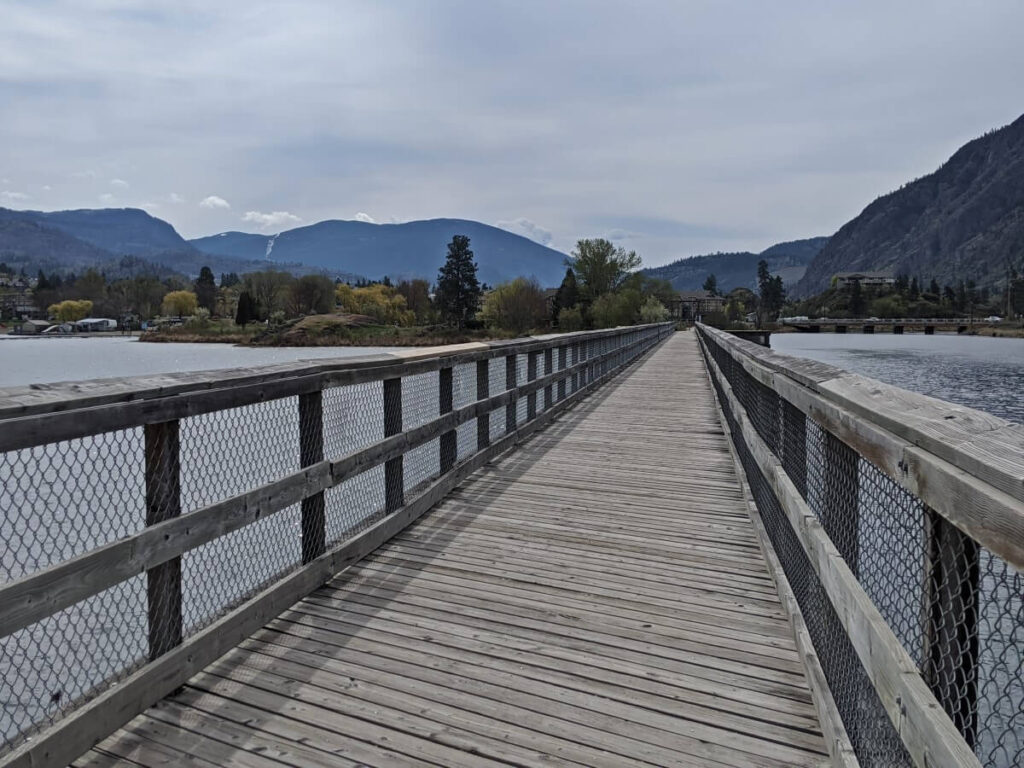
531	374
562	365
950	666
448	442
510	383
483	389
840	516
548	366
394	478
575	360
163	502
311	451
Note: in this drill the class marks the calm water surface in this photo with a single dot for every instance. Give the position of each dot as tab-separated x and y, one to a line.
976	371
33	361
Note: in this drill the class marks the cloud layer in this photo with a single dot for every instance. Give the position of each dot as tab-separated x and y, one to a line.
687	125
272	220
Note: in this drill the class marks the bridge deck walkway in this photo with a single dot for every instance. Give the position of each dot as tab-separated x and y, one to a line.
595	598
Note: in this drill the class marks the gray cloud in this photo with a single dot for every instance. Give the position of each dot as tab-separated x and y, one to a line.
527	228
683	127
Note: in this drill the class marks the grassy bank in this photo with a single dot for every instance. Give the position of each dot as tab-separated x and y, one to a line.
321	331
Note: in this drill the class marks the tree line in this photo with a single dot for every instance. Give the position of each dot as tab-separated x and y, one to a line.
601	288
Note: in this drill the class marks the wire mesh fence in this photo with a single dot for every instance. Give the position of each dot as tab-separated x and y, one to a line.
956	607
274	477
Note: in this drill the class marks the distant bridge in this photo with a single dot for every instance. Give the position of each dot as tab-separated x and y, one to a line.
869	324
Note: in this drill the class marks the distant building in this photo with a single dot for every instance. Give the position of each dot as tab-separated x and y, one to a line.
694	304
866	279
92	324
33	326
17	303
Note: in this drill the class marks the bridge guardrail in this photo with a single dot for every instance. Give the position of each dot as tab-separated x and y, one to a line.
898	520
153	523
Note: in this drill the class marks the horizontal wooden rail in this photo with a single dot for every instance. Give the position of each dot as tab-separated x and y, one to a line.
927	732
45	413
965	464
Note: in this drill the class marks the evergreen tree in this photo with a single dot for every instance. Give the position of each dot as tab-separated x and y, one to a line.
773	294
42	284
933	287
228	279
205	289
711	284
458	291
567	296
247	310
915	289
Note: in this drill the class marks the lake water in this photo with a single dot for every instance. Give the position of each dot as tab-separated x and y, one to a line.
977	371
33	361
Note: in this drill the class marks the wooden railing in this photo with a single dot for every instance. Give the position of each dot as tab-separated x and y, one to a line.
123	503
898	521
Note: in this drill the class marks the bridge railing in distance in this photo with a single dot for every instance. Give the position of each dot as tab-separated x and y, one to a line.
898	520
151	524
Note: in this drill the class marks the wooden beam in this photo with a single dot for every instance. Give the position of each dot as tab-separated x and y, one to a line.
311	453
163	502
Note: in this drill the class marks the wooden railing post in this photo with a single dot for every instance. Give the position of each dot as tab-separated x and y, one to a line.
562	365
531	374
510	383
163	502
950	659
394	478
548	390
483	390
311	451
576	374
448	442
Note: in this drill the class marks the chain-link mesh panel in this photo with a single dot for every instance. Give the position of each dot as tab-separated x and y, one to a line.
420	405
228	452
463	394
50	667
496	373
353	419
521	378
957	609
222	573
1000	737
62	499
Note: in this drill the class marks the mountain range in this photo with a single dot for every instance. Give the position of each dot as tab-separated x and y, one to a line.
120	242
410	249
739	270
965	221
125	241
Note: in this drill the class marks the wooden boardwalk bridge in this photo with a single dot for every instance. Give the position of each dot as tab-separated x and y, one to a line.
612	548
598	597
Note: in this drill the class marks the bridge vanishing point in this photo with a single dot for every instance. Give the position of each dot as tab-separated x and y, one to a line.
612	548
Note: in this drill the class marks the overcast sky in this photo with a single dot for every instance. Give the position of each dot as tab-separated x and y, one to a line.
674	128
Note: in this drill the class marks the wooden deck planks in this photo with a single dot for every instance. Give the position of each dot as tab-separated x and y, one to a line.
596	598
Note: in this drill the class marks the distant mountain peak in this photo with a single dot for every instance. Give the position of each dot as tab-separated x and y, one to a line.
398	250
